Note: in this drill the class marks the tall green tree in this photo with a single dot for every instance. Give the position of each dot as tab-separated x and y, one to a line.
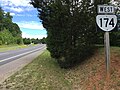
6	37
70	26
7	26
1	18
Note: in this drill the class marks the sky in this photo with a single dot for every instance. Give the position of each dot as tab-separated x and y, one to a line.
25	16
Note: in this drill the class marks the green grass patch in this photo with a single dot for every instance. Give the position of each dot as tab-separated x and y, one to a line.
11	47
42	74
115	50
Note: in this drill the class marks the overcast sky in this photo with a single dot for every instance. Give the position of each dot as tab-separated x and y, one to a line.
25	16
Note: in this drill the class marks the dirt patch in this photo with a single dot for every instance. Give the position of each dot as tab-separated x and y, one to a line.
91	75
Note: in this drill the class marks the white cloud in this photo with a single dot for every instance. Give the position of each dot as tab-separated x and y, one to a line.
16	5
26	15
12	14
16	9
20	15
25	35
30	25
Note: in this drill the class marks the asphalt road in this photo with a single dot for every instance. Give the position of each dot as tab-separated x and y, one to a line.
13	61
6	57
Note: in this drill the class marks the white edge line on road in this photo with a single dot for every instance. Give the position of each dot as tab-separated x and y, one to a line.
19	55
2	53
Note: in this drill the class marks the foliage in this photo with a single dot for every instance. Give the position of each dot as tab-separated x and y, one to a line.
71	28
70	25
43	40
34	41
26	41
9	32
117	6
6	37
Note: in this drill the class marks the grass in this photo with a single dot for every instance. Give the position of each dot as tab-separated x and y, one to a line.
42	74
11	47
45	74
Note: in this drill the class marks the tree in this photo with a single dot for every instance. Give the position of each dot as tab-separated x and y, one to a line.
26	40
70	26
35	41
6	37
10	29
1	18
43	40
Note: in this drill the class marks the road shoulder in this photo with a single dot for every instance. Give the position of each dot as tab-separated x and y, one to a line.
10	68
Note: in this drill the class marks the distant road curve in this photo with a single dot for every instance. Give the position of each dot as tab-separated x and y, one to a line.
8	56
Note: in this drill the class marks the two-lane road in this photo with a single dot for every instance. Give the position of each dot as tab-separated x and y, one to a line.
13	61
6	57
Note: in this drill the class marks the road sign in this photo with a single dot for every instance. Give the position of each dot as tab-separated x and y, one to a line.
106	22
106	9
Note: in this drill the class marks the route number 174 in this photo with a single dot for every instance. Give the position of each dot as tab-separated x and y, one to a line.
106	22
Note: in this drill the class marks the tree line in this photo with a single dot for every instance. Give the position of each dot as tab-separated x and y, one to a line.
9	32
34	41
71	29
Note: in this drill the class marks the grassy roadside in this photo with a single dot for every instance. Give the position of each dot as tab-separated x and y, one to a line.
45	74
42	74
11	47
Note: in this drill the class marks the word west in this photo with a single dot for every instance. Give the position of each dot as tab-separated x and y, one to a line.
105	9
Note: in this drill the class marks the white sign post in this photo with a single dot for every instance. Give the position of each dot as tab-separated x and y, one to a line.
106	21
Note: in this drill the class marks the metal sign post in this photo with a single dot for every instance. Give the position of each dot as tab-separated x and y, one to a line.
107	53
